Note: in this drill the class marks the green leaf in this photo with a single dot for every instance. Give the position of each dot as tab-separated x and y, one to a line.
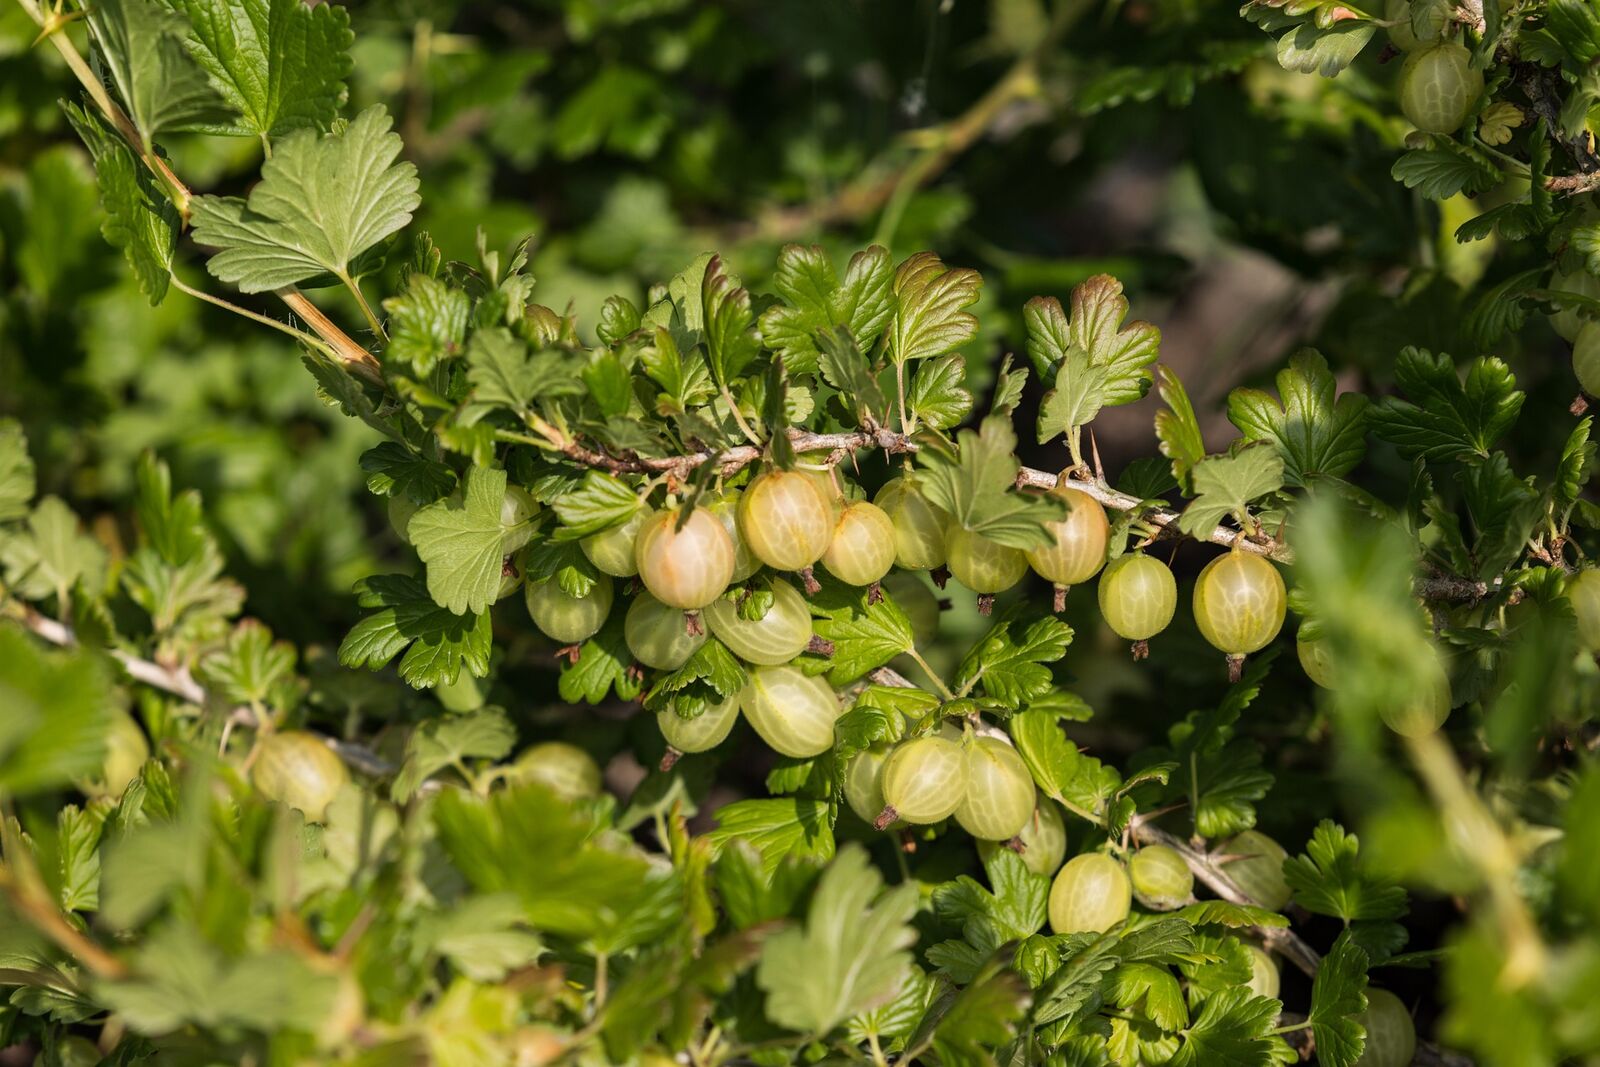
816	300
444	742
1442	417
929	319
139	217
711	674
1445	170
57	715
851	955
1572	474
1310	49
846	369
1177	428
1314	433
1123	353
1223	913
1502	509
977	487
17	483
1226	484
937	396
1060	770
159	82
731	343
461	543
52	554
778	828
1009	663
1014	910
865	635
252	668
428	322
280	64
321	202
1235	1028
971	1025
600	503
437	643
77	858
1153	991
602	666
1079	393
394	470
482	937
1327	879
1338	995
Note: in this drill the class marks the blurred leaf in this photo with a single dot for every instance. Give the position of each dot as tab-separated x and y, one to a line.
443	742
778	829
252	668
16	472
57	715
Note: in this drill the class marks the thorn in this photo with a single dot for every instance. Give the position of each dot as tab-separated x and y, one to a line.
570	653
1235	668
820	645
1094	450
885	817
1141	650
692	625
940	576
1061	599
875	593
813	587
986	604
669	759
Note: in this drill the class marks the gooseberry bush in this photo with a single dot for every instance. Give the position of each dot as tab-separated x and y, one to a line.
775	528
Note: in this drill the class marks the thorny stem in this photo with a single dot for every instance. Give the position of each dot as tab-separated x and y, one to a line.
933	675
254	316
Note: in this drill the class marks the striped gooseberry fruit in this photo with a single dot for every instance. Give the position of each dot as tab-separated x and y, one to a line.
126	753
297	768
516	508
924	780
1568	322
1263	973
777	637
986	567
611	551
1439	87
1090	894
705	731
793	712
1586	358
687	568
460	696
1161	879
1239	602
911	592
919	524
566	770
785	519
1258	868
999	795
1431	706
863	546
1314	660
863	783
1391	1035
828	487
726	509
563	617
659	636
1077	548
1138	597
1043	837
1583	591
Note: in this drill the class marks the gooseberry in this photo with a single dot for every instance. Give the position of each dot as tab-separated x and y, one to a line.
611	550
785	520
1090	894
1314	660
299	769
1043	837
71	1051
126	753
1161	879
911	592
777	637
924	780
1583	590
516	508
863	545
1586	358
1429	709
793	712
1138	596
986	567
659	636
687	568
919	524
1402	34
1239	602
1391	1035
1439	87
863	783
462	695
1263	973
703	732
563	617
566	770
1569	321
999	795
1258	870
1077	548
726	510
